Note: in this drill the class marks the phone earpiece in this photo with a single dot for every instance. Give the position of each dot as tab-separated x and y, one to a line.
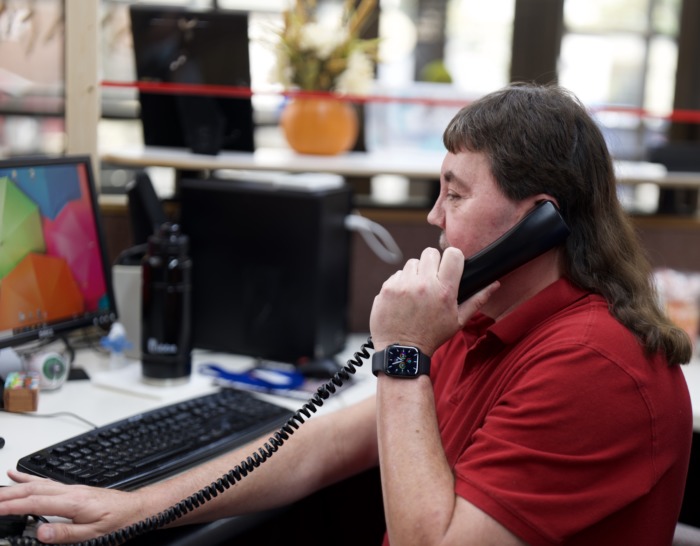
543	228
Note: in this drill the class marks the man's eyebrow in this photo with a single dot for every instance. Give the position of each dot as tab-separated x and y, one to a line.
451	178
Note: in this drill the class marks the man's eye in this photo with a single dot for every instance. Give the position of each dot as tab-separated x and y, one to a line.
451	196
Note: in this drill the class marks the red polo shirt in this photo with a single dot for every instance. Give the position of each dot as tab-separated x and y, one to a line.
560	427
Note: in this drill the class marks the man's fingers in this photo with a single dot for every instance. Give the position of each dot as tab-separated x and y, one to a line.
22	477
451	267
429	261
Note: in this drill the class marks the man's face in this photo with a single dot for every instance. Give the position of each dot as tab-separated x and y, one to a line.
471	210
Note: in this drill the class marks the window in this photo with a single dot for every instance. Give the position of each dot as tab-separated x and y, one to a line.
31	78
622	53
478	43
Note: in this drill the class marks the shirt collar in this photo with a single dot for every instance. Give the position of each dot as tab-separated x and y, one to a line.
526	316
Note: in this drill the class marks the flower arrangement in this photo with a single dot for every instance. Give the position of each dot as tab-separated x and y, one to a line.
320	51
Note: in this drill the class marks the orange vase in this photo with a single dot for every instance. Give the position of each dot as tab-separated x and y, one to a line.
319	125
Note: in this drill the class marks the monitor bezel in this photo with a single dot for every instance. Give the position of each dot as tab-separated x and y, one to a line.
103	318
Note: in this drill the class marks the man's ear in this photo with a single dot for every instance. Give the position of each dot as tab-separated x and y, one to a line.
536	199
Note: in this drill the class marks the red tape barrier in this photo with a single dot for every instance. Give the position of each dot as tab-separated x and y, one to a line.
682	116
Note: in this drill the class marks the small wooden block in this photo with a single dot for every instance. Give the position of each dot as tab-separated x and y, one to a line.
21	391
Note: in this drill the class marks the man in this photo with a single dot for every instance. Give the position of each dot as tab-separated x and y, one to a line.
554	411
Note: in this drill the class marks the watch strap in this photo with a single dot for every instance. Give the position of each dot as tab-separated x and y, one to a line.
378	362
378	359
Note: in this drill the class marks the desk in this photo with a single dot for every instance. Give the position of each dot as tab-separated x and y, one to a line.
100	404
409	163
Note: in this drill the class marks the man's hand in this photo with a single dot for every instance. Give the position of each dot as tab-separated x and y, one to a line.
418	304
93	511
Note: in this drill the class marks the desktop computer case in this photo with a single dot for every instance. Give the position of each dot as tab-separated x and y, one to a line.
270	267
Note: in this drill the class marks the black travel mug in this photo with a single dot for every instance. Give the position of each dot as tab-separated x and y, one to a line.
166	295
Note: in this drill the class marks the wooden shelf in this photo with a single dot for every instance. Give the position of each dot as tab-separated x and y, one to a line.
667	221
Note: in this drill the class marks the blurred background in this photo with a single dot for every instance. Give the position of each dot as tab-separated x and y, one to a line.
633	61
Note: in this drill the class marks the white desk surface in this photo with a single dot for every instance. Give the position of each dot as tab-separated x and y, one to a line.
411	163
115	394
111	395
692	378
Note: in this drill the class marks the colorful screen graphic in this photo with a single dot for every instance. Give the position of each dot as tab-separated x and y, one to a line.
53	272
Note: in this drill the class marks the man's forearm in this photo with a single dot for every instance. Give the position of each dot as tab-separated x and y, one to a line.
417	482
316	455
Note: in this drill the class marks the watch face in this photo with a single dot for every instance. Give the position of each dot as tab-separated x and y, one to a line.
402	361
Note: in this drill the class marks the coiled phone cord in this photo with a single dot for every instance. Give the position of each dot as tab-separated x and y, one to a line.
234	475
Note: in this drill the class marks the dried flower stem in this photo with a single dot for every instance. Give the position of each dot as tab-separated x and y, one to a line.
317	56
361	16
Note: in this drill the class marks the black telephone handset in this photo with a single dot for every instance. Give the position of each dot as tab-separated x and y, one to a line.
542	229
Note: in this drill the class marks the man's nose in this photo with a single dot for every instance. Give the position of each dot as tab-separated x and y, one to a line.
435	215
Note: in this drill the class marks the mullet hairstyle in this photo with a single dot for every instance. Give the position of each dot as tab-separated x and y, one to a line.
541	139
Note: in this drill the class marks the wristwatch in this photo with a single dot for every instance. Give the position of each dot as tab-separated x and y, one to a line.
401	361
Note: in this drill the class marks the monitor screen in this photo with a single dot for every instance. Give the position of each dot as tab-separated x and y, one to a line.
54	272
184	46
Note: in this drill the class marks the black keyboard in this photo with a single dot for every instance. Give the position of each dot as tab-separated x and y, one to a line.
147	447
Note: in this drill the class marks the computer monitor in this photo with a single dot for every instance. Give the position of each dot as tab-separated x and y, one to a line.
186	46
54	272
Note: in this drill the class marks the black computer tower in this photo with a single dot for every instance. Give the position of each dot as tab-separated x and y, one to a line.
270	267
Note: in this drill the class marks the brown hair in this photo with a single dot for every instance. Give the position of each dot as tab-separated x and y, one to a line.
541	139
